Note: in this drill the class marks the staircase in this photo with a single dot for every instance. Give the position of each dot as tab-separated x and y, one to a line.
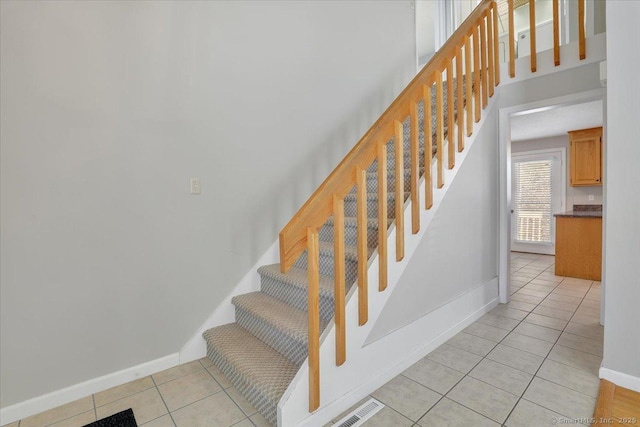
277	329
262	351
326	247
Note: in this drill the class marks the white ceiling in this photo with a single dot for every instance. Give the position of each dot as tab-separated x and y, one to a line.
555	121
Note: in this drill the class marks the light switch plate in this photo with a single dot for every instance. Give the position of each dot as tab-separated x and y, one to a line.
195	185
591	198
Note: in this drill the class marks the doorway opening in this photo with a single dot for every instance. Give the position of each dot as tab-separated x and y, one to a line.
538	190
533	150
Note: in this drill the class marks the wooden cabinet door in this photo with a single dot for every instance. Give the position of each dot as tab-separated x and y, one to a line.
586	157
579	247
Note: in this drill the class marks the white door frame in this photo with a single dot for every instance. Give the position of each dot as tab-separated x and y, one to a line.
563	186
504	163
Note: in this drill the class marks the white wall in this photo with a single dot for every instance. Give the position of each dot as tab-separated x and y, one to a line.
425	29
622	200
580	78
108	108
459	251
575	195
373	361
544	13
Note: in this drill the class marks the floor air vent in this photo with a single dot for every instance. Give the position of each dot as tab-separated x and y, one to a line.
361	414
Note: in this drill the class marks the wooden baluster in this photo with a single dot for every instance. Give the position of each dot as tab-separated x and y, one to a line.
483	63
491	62
313	319
459	101
556	33
339	278
451	126
399	197
469	89
439	129
532	33
361	218
428	147
496	43
415	169
476	73
512	44
581	30
382	217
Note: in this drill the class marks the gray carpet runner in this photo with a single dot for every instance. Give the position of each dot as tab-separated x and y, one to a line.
262	351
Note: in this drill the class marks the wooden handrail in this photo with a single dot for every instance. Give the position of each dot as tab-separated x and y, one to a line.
319	207
532	34
469	57
302	232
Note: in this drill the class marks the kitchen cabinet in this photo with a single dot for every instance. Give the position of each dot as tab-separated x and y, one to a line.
579	245
585	161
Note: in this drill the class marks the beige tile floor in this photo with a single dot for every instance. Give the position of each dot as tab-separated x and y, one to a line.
525	363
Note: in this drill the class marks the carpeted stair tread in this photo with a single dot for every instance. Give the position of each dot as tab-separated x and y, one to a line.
262	352
297	277
259	372
374	196
280	315
291	288
391	172
350	252
352	221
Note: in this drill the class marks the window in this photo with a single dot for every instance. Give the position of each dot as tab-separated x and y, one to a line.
532	201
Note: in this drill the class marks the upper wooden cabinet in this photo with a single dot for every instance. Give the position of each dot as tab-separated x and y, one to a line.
585	162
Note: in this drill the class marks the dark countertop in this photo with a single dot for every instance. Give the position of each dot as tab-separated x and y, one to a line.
580	214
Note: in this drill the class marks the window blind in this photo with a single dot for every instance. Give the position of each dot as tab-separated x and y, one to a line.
532	201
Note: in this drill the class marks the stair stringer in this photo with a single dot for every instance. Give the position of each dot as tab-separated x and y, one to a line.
343	386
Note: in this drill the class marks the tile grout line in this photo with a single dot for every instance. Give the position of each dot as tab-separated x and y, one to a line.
229	396
474	366
467	375
95	410
163	401
546	357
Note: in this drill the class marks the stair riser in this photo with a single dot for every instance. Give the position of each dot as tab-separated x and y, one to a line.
266	408
391	164
350	235
350	207
372	181
295	296
294	350
327	266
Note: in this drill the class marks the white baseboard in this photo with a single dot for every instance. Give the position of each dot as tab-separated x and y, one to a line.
325	414
620	379
194	349
78	391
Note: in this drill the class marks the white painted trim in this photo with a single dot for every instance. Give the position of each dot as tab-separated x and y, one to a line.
620	379
504	153
546	248
78	391
408	358
196	347
569	58
371	364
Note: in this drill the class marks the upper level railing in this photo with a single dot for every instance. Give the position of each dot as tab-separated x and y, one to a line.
556	34
470	62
